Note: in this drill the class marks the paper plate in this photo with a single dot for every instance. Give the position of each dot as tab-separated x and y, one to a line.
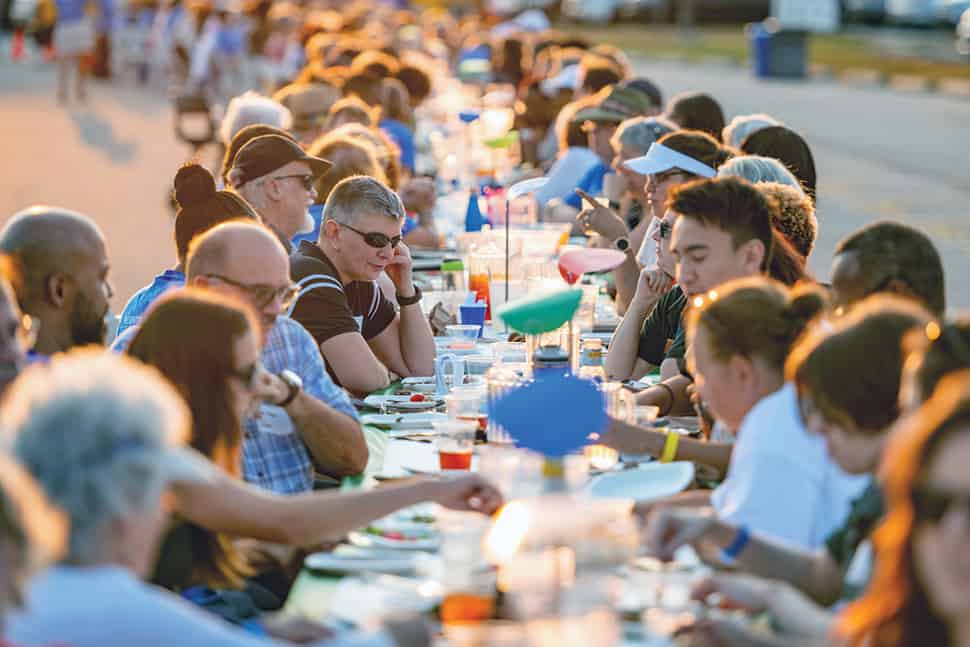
526	186
358	560
403	402
418	537
647	483
573	264
403	421
535	315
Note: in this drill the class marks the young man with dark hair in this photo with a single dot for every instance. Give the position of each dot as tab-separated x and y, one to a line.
889	257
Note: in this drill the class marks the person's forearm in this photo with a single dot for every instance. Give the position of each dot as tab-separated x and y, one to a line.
237	509
621	357
630	439
796	614
812	573
626	281
417	341
660	396
334	439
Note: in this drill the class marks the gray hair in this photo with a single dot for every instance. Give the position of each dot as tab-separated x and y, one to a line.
757	169
639	133
253	108
742	126
92	429
360	195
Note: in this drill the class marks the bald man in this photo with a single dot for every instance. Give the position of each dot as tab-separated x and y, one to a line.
64	285
307	423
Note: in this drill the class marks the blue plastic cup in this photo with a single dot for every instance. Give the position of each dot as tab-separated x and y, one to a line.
473	314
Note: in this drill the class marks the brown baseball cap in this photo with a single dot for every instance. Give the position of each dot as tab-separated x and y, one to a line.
266	153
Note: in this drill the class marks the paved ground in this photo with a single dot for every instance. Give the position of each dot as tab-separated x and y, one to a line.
880	155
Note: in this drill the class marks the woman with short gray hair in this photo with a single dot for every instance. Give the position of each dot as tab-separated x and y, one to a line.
757	169
103	435
743	125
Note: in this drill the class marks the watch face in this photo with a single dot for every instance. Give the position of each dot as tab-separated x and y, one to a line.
291	379
622	244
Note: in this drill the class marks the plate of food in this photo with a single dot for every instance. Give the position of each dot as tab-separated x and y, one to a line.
347	560
403	421
413	402
397	536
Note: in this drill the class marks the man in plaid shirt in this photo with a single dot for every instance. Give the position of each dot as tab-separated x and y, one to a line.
305	424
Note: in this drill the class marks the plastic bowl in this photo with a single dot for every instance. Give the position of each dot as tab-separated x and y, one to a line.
463	331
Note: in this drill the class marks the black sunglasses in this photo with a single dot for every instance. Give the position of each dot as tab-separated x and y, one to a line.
263	295
931	505
375	239
664	229
307	180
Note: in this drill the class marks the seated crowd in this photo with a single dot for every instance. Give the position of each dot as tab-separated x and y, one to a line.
199	452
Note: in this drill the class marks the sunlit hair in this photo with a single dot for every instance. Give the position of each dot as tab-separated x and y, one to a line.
790	148
743	125
795	216
348	156
895	610
933	351
200	365
252	108
90	427
638	133
357	196
757	169
851	366
755	317
697	111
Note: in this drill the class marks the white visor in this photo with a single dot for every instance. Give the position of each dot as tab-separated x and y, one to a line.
660	158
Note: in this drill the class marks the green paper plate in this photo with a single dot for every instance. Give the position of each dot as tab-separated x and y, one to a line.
535	315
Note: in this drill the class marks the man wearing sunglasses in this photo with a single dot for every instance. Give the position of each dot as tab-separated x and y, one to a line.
363	339
275	176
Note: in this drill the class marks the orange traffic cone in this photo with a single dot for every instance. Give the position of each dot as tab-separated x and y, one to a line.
17	48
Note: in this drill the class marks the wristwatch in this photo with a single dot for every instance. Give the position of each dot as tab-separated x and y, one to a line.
622	244
409	301
295	384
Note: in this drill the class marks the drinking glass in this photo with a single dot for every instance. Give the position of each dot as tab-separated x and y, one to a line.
455	442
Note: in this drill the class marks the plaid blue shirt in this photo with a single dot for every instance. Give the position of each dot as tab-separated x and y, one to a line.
139	301
274	455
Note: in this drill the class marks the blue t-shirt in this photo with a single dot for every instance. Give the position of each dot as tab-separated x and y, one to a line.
404	139
139	302
591	183
316	212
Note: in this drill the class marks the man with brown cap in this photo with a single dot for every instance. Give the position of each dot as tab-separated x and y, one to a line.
276	176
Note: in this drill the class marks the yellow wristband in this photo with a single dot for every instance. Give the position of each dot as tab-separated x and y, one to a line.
670	447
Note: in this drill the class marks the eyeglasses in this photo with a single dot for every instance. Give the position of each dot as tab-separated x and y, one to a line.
263	295
375	239
307	180
664	229
931	505
24	331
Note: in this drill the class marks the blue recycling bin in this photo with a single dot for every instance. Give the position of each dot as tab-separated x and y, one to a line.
777	53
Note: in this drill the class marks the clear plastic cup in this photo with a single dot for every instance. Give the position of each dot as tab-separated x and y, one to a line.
455	442
463	331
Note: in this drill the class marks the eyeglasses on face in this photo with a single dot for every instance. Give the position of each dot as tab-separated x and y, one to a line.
307	180
930	504
375	239
664	229
262	295
660	178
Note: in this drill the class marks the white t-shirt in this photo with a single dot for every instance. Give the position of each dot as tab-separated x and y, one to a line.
107	605
781	481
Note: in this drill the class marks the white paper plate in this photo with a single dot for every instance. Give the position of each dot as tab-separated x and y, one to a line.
364	601
647	483
366	540
396	562
403	420
403	402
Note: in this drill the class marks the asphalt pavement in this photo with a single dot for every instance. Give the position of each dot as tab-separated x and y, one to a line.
879	153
